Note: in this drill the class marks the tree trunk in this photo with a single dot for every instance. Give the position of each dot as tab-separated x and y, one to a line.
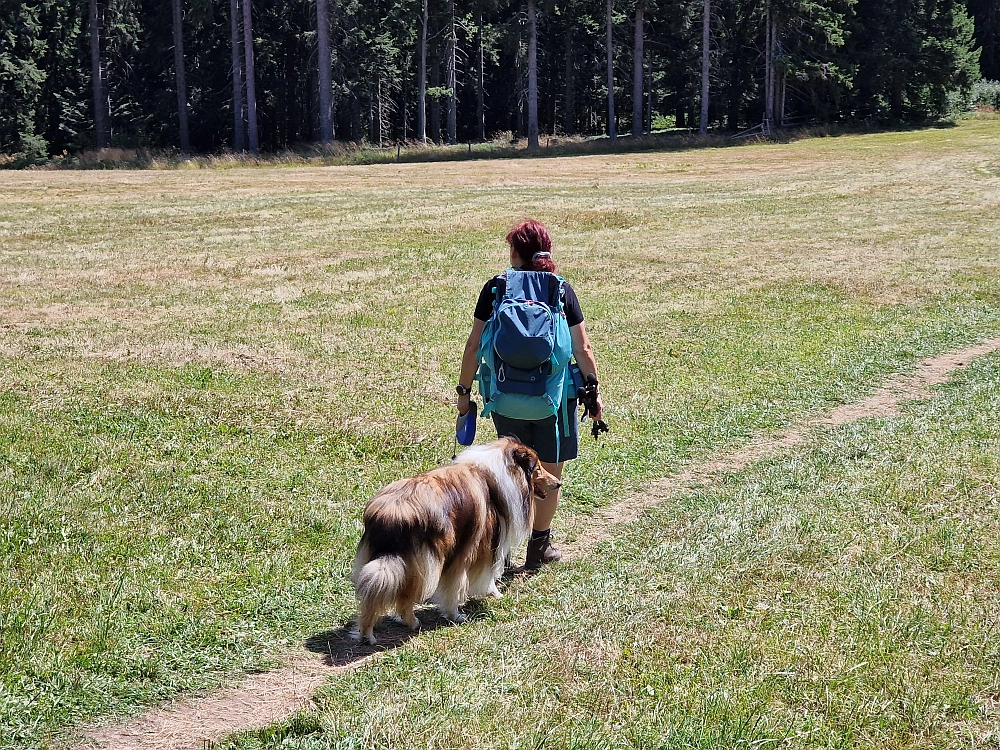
637	73
991	49
610	41
649	101
481	93
355	118
435	114
769	72
777	73
532	78
519	124
422	82
239	132
251	92
325	72
451	74
182	113
102	133
706	64
379	112
569	107
782	78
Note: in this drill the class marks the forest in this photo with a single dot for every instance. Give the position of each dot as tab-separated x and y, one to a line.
209	76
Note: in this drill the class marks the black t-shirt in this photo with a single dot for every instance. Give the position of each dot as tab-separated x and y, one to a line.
484	306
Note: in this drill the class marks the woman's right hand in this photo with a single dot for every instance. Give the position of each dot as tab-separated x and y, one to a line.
599	415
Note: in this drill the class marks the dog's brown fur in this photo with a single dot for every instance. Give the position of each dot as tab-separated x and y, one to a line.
444	535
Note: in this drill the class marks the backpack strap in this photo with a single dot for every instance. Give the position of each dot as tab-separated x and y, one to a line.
497	296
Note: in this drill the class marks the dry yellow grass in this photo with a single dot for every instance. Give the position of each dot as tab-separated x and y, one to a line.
205	373
117	264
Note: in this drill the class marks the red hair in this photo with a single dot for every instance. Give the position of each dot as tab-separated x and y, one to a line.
530	237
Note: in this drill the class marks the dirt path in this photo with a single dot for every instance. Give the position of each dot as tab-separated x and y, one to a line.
265	698
884	402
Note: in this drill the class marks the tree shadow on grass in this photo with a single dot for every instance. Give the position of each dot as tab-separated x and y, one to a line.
340	650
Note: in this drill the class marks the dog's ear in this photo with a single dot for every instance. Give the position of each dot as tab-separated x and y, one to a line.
526	458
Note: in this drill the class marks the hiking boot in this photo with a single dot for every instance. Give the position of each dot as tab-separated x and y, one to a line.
541	552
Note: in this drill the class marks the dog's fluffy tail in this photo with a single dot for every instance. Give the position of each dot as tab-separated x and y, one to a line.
379	584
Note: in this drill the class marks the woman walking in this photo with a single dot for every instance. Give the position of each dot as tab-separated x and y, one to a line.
555	437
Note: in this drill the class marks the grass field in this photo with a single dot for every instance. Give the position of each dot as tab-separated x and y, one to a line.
204	375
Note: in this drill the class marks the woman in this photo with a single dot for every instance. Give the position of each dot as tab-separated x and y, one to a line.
531	250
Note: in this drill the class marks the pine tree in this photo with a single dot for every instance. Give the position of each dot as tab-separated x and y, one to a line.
21	81
182	113
706	63
102	130
251	88
236	30
532	77
325	64
909	56
638	72
610	44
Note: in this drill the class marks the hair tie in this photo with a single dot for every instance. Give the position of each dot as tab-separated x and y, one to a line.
540	256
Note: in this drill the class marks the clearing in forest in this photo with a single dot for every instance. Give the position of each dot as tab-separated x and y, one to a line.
205	374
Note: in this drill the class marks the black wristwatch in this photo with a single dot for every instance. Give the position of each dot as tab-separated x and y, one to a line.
461	390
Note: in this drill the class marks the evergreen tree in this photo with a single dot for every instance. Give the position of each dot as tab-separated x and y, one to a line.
473	68
22	79
908	56
986	14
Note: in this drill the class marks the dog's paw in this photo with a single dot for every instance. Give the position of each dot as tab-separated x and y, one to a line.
457	618
371	640
413	624
354	636
494	592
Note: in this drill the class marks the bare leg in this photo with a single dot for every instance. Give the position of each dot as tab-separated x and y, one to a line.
545	510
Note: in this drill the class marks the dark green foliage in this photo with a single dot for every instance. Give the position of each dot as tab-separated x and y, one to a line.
837	60
987	19
21	79
908	56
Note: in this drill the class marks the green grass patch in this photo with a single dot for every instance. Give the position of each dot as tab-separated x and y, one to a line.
204	375
841	595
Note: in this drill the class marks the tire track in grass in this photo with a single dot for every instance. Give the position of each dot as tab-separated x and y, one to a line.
195	723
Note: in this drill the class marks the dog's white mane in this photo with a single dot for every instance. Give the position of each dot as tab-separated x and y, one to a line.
494	459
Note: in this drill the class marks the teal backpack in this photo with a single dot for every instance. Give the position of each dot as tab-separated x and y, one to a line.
526	351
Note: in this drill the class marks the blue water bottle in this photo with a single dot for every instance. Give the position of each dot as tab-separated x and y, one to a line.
465	426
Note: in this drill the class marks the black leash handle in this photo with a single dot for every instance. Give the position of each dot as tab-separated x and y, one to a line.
588	396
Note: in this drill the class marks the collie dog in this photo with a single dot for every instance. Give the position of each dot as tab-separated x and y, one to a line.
445	535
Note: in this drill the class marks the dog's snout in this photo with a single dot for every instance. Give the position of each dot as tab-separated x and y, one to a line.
556	485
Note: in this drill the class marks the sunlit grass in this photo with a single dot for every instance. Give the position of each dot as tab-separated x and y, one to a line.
843	594
204	375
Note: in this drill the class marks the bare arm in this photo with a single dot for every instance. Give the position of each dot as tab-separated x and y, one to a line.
583	351
584	354
469	363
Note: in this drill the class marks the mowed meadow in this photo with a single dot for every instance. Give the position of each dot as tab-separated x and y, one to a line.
204	375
